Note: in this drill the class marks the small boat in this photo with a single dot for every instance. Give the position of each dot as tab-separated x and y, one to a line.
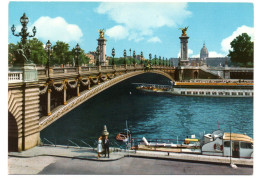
122	137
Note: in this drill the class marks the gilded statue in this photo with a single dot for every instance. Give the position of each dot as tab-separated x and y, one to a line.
101	33
184	31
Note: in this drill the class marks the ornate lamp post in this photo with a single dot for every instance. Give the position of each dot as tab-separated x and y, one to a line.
24	34
77	51
113	54
155	60
163	61
130	55
141	57
97	55
150	58
124	56
48	50
134	56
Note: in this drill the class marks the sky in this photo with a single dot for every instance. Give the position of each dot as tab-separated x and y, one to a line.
151	27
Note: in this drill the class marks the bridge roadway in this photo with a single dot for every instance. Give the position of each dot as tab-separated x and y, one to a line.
31	106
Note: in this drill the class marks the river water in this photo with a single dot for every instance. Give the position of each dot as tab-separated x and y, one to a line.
157	116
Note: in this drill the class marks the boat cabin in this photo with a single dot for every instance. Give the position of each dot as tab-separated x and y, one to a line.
218	143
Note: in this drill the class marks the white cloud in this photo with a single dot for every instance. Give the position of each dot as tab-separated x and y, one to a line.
225	44
190	51
57	29
215	54
141	19
195	56
117	32
154	40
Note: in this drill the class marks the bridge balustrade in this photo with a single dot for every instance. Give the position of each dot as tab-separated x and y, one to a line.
85	68
41	71
15	77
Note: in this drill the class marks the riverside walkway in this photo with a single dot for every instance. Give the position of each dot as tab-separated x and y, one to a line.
116	154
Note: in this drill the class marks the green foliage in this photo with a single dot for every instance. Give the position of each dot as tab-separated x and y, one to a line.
38	54
11	53
243	50
83	59
61	54
120	61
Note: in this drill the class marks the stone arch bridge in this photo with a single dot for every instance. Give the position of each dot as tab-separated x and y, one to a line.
32	106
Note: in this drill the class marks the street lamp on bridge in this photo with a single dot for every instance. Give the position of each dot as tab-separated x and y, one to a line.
150	58
124	56
48	49
23	34
77	51
113	54
130	55
163	61
97	56
141	57
134	56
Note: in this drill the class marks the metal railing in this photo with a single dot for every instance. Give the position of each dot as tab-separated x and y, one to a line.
81	143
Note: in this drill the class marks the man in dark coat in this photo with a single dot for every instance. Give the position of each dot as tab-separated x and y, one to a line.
106	146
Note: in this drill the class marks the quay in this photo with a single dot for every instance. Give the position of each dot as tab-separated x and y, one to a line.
63	160
116	154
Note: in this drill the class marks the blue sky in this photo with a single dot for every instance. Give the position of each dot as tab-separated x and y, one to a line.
148	27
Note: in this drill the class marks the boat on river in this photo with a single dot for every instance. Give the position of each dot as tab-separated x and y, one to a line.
203	88
213	88
122	137
213	144
220	143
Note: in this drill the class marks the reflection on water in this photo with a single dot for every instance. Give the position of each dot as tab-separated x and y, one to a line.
152	115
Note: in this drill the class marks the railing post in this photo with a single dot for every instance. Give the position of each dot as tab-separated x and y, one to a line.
65	94
78	85
49	102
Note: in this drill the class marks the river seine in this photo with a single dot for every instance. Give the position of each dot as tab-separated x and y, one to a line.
157	116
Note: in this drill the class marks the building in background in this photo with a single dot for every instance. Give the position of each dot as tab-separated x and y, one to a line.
205	59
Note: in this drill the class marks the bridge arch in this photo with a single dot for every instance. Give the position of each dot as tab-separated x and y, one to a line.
87	94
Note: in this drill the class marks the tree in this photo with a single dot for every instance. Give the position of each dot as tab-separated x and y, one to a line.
11	53
61	53
38	54
83	59
243	50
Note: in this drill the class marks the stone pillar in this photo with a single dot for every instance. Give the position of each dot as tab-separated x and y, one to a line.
49	102
184	60
102	49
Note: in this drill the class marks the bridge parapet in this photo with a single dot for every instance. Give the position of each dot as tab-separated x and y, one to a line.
15	77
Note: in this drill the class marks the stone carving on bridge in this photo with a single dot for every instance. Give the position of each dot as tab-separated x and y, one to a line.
101	33
183	30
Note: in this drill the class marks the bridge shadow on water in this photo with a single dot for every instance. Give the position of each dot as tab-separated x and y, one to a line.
151	115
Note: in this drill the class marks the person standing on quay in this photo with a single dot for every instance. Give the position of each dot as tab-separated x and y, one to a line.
106	146
99	147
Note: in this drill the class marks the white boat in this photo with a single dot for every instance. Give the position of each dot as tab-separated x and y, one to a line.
213	89
218	144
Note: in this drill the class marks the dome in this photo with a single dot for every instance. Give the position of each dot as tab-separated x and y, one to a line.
204	52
